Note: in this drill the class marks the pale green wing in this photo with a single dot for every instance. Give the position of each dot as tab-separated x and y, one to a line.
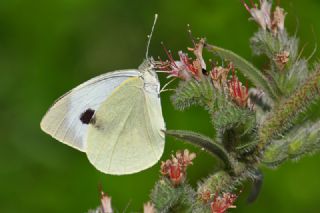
125	136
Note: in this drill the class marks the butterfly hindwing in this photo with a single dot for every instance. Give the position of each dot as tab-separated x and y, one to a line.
125	135
67	119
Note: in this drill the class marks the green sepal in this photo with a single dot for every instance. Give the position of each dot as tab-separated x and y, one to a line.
167	198
194	92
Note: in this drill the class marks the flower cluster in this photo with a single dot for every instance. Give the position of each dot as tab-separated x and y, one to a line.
219	76
273	22
221	204
186	67
176	168
233	87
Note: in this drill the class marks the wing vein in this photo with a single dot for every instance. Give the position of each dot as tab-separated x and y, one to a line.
117	140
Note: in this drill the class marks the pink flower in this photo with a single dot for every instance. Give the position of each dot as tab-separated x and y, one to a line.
177	69
237	91
175	173
219	76
192	67
185	68
148	208
221	204
106	203
279	16
176	168
185	158
273	22
282	59
262	15
173	170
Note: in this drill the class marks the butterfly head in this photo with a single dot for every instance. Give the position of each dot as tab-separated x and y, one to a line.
149	65
149	75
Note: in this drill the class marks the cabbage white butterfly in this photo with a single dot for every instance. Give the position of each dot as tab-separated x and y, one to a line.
115	118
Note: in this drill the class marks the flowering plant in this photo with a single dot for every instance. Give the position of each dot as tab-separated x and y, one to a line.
256	116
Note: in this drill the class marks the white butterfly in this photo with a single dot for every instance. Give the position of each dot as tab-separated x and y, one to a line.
115	118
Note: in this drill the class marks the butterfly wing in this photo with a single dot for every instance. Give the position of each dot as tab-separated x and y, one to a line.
125	136
62	121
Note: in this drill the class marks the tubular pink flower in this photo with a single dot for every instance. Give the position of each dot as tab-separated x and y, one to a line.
185	68
106	203
262	15
148	208
176	168
273	22
279	16
237	91
222	203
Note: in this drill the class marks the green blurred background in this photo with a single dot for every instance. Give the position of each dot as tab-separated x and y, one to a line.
48	47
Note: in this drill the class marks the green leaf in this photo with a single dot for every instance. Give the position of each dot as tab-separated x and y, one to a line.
248	70
204	142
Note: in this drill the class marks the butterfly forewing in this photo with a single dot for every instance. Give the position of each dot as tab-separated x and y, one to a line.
125	136
63	120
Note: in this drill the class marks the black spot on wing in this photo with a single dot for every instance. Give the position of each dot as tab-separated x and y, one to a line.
86	116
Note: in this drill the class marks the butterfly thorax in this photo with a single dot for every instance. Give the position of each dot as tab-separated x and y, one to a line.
149	76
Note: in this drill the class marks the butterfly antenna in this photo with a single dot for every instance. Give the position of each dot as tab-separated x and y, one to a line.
150	35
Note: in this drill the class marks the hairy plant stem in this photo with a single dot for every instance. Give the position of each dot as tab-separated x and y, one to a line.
282	117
